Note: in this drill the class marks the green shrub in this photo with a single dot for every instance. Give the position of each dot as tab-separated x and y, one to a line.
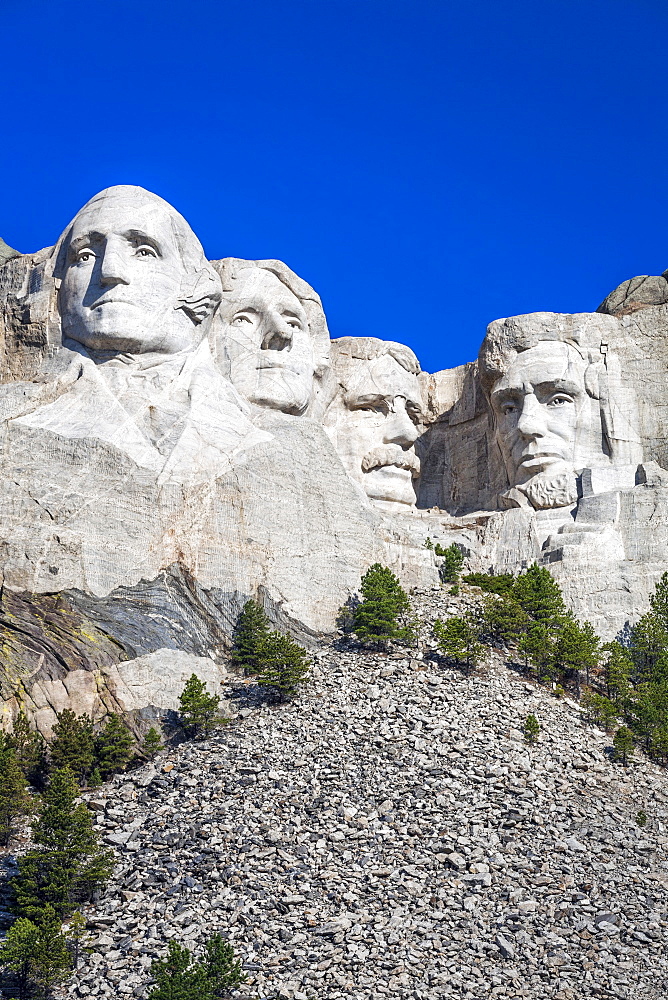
376	618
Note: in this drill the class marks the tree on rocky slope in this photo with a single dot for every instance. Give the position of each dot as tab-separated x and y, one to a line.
151	744
539	594
67	864
37	955
182	977
199	710
14	798
577	649
73	744
285	665
459	638
114	747
29	749
376	618
623	744
250	634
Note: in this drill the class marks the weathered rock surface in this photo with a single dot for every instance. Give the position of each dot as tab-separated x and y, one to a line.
179	435
392	835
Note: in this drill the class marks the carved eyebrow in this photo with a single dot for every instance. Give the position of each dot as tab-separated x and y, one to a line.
85	239
558	385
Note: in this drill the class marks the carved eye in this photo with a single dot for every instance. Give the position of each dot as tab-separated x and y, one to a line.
508	408
85	255
295	324
145	251
559	400
242	318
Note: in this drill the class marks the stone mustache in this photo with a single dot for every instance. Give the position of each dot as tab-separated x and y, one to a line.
181	434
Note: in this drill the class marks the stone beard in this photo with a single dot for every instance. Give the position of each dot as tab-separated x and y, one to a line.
544	423
266	345
373	417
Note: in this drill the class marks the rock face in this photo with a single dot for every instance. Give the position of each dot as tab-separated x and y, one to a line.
180	435
392	836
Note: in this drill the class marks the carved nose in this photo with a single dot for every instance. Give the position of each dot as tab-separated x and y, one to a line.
531	422
113	270
399	428
278	336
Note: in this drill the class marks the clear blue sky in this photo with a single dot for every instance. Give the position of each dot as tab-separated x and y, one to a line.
428	165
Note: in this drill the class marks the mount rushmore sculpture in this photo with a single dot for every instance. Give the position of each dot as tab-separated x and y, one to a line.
181	434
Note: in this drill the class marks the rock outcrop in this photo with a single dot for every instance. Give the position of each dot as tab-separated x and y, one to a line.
180	435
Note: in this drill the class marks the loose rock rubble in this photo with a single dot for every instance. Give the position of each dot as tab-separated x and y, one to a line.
392	835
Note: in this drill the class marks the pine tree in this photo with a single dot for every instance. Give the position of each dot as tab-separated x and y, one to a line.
649	649
601	710
250	634
151	744
453	560
503	620
458	638
14	798
284	665
29	749
577	648
76	936
114	747
539	594
537	647
531	729
623	744
37	954
383	601
73	744
94	778
67	865
181	977
618	669
198	709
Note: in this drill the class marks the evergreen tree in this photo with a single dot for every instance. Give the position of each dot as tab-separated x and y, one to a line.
37	954
618	669
67	865
539	594
250	634
649	649
453	560
73	744
428	544
383	601
284	665
537	647
14	798
198	708
501	583
180	977
28	747
647	710
151	744
659	744
94	778
531	729
503	620
458	638
600	709
114	747
577	648
76	936
623	744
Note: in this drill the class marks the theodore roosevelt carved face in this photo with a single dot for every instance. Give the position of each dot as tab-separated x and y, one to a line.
133	276
373	418
273	341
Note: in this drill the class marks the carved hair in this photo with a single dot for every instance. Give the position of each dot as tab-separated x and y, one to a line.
348	349
230	269
201	288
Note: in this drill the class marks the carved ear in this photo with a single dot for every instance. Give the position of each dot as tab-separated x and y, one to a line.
200	295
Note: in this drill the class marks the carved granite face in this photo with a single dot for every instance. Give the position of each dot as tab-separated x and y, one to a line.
124	276
267	342
373	426
540	405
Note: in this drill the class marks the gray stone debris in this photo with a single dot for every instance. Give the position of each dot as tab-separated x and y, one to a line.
391	835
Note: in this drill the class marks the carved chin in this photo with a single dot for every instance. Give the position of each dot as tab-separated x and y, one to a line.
281	390
390	483
545	491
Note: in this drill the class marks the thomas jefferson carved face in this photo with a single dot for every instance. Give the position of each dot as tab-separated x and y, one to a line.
267	342
541	408
124	282
373	424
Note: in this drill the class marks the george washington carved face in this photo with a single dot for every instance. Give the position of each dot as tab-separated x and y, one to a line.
133	277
